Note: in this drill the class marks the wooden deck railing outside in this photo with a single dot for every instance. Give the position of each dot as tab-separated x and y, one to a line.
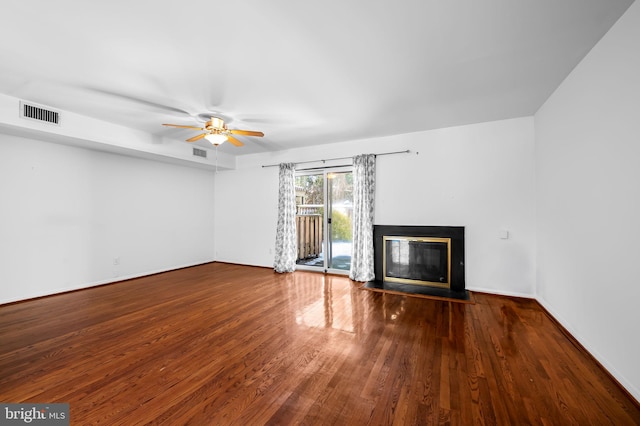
309	230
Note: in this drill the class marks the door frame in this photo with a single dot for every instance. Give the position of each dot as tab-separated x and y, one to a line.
326	224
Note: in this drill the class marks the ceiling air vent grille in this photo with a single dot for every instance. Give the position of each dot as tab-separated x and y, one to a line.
200	152
38	113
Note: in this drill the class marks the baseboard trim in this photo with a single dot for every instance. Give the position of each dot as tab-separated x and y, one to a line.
500	292
243	264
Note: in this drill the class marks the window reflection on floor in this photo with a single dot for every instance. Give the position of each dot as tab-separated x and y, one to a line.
324	303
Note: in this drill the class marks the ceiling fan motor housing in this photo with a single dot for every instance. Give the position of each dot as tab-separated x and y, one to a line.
216	125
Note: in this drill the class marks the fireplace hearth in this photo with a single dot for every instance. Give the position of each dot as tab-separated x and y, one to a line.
427	260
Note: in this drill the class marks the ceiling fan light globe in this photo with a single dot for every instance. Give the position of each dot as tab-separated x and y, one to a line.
216	138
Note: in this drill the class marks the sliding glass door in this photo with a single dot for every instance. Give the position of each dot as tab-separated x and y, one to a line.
324	202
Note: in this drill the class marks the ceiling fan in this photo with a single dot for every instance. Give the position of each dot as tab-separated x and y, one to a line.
216	132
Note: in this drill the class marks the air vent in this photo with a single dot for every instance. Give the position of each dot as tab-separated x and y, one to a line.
200	152
39	113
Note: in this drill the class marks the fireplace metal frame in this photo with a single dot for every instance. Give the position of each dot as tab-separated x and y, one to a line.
447	241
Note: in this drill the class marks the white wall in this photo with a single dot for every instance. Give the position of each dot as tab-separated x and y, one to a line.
479	176
246	213
67	212
588	201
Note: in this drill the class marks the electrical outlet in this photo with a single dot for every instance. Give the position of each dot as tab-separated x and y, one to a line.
116	260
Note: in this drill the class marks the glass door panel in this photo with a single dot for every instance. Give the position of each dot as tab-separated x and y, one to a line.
310	220
340	208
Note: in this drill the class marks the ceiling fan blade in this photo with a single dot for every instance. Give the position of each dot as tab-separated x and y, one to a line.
197	138
234	141
138	100
246	133
183	127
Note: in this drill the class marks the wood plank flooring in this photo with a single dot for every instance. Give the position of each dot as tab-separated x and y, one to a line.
222	344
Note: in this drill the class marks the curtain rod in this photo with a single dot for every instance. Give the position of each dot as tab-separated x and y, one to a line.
340	158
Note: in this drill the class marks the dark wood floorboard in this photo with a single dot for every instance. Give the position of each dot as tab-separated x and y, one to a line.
236	345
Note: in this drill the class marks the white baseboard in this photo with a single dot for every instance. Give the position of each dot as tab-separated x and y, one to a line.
501	292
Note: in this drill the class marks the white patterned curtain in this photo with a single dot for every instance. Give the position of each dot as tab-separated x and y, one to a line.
364	186
286	250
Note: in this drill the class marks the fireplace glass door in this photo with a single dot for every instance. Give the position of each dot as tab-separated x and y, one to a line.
417	260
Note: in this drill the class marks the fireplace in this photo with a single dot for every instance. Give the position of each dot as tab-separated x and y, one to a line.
427	258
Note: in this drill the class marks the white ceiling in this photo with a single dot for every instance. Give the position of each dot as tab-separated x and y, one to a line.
302	72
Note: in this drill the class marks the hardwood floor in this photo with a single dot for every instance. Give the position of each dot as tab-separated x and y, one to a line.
229	344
